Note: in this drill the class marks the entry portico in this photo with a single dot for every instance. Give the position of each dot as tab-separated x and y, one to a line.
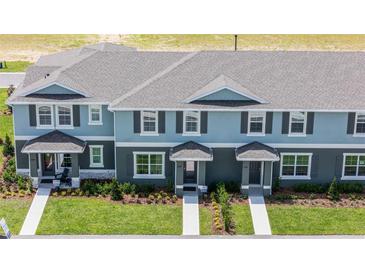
257	167
51	153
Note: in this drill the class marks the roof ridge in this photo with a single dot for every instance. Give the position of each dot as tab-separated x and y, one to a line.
154	78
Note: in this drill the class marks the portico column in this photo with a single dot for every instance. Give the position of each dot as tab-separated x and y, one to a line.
75	170
267	177
33	172
201	176
179	177
245	176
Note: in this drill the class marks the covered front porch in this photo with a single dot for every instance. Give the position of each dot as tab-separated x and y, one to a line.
257	167
54	159
190	165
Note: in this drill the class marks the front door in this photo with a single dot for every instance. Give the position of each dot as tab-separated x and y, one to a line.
255	173
190	172
48	165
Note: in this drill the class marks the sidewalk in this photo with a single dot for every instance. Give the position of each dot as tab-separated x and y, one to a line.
191	214
35	211
259	215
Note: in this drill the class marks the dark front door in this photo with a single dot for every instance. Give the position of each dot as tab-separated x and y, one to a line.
48	165
255	173
190	172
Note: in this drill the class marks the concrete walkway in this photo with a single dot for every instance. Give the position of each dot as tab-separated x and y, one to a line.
191	214
11	78
259	215
35	211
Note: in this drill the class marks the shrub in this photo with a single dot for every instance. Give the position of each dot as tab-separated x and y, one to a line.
9	174
350	188
8	148
284	197
276	184
89	186
128	188
226	209
146	189
309	188
170	186
116	193
230	186
333	193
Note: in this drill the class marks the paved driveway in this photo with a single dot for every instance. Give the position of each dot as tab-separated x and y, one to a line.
11	78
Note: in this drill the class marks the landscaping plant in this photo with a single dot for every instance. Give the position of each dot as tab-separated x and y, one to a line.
333	192
8	148
276	185
116	192
226	209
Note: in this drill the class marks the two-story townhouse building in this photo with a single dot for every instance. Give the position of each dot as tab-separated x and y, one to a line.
194	118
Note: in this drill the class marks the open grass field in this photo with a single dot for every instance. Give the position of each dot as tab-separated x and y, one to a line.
243	220
96	216
296	220
14	212
16	66
30	47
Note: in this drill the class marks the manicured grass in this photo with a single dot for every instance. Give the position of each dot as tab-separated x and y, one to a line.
14	212
96	216
30	47
314	221
243	220
15	66
3	97
206	221
6	126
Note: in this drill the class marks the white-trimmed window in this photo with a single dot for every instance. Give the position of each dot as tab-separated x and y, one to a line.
191	122
149	122
95	115
64	116
149	164
297	123
353	166
44	116
96	156
64	160
360	123
295	165
256	123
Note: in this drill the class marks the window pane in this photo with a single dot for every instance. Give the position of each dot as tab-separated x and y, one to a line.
45	115
288	170
351	161
149	121
350	171
142	169
156	159
288	160
297	116
302	159
256	127
142	159
65	160
64	116
360	128
156	169
96	159
362	161
191	121
301	171
297	122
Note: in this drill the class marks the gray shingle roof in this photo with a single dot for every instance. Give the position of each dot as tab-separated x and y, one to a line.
54	142
256	151
191	151
132	79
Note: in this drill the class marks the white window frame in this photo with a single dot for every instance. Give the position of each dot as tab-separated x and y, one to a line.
298	134
296	177
59	159
255	113
355	126
96	123
51	126
92	164
149	133
357	167
71	117
148	176
189	133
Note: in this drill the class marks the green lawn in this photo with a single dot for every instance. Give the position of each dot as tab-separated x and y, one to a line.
243	220
14	212
316	221
206	221
16	66
3	97
95	216
6	122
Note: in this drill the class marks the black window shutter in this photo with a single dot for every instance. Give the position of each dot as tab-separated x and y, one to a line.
338	167
32	116
244	121
285	123
179	122
161	122
204	122
351	122
76	114
268	123
314	165
137	121
310	122
130	164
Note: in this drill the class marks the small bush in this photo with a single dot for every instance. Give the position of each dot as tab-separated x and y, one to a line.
230	186
146	188
116	193
350	187
170	188
8	148
9	174
309	188
284	197
333	193
276	184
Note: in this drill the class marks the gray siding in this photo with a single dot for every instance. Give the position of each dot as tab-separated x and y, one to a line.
224	166
125	165
22	160
108	150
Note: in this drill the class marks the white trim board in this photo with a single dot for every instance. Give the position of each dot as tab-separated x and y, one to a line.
235	145
85	138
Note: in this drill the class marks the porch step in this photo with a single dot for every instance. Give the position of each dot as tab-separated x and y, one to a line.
255	191
189	188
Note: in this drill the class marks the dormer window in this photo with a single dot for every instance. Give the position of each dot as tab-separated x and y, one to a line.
297	123
191	122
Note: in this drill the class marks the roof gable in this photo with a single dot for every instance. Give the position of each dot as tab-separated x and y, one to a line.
55	89
223	88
